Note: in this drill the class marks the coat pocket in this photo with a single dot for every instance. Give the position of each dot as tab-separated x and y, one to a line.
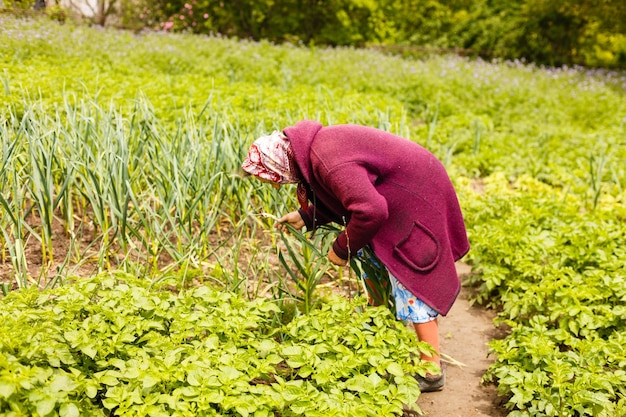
419	249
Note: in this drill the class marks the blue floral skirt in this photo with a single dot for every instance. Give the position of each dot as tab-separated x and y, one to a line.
408	306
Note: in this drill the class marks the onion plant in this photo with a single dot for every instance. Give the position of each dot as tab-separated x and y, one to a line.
308	257
132	191
12	200
128	190
14	230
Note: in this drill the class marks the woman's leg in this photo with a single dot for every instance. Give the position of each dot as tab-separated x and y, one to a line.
408	308
424	320
429	332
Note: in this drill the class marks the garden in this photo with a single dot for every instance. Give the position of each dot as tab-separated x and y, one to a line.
141	274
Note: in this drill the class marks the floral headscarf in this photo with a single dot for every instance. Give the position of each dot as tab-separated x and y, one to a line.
268	158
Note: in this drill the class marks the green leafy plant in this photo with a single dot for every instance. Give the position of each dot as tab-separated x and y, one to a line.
114	344
309	259
375	278
556	272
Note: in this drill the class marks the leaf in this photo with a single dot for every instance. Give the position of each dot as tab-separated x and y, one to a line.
228	374
141	301
266	413
375	379
375	359
273	359
89	350
573	326
291	394
292	350
212	342
149	381
296	363
266	346
359	383
269	308
69	410
109	380
127	337
305	371
62	382
214	396
91	390
395	369
109	403
45	406
71	336
6	389
189	392
194	378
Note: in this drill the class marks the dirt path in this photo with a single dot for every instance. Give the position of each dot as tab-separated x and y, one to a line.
465	332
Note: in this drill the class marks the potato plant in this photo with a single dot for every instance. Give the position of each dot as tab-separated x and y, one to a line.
115	345
558	273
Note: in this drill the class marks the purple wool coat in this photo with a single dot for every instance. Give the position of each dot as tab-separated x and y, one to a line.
391	194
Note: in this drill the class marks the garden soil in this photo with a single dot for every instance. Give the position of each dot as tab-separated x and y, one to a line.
465	334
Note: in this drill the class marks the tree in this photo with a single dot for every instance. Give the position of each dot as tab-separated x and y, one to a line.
98	12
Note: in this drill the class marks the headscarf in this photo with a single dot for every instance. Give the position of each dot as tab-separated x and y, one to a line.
269	158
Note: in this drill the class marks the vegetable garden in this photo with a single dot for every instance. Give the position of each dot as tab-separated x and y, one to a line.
141	274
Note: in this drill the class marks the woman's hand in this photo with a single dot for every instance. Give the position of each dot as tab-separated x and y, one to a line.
332	256
294	219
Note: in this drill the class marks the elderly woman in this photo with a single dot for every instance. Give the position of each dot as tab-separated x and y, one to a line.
391	194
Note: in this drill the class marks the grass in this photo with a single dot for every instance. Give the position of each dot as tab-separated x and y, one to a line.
122	151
